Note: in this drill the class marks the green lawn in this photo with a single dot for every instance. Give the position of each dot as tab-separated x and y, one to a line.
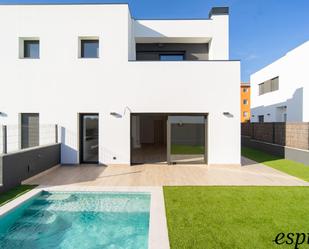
290	167
234	217
14	193
177	149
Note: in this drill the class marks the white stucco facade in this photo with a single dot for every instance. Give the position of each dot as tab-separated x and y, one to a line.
291	101
60	85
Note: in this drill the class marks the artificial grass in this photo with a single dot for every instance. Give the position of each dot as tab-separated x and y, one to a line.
177	149
234	217
290	167
14	193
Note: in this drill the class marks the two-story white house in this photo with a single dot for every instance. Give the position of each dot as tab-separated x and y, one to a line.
121	90
280	91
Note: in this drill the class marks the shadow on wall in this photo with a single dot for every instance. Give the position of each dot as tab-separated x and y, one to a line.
147	31
69	155
274	113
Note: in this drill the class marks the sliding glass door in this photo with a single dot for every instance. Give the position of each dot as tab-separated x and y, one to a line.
186	139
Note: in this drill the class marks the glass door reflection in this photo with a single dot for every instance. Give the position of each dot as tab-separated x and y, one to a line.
89	138
186	139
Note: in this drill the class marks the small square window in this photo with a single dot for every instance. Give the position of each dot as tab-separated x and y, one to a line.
32	49
245	114
89	48
245	102
29	48
245	90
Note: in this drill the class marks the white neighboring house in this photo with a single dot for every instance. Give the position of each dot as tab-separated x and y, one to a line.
122	90
280	91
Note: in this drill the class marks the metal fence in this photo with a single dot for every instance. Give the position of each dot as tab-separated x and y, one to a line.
14	137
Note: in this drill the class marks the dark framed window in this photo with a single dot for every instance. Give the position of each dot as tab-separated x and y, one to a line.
172	57
89	48
32	49
261	118
245	102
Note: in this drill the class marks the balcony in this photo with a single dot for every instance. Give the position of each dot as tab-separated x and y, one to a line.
171	51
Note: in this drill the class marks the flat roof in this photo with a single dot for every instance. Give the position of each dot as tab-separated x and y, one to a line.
213	10
245	84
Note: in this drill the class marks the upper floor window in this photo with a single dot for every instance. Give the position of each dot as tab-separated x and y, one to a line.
269	86
245	102
245	114
89	48
245	90
171	57
29	48
275	84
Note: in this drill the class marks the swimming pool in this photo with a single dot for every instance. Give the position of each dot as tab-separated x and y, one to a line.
108	220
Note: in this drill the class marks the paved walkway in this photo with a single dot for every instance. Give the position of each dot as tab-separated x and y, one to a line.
250	173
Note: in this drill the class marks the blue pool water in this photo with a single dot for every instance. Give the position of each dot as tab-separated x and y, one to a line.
78	220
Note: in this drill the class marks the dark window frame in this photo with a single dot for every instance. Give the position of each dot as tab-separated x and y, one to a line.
82	48
26	52
81	134
261	118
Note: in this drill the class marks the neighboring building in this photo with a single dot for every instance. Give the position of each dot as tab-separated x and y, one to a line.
280	91
245	102
122	90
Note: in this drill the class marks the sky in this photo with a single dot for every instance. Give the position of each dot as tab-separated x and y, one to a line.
261	31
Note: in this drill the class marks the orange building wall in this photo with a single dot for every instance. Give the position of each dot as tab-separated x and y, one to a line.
245	107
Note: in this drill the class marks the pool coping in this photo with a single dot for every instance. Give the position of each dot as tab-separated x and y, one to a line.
158	232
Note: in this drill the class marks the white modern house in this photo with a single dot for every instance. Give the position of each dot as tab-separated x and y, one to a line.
280	91
121	90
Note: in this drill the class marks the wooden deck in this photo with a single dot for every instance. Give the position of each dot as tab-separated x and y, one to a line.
250	173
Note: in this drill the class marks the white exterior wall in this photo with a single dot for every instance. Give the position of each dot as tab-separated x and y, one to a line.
292	70
60	85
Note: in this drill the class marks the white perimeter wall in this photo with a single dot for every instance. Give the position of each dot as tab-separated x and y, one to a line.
60	85
293	92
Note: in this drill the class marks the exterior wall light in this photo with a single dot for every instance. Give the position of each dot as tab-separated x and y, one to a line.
228	114
115	114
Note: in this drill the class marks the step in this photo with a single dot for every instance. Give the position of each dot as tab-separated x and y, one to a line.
39	218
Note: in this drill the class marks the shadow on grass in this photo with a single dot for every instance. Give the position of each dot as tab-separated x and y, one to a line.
258	156
14	193
293	168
